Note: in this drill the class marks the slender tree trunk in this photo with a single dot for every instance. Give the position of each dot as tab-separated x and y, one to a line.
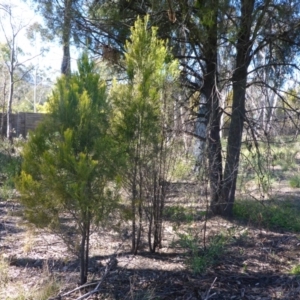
66	36
156	209
140	202
150	217
84	248
83	277
214	150
133	212
239	78
213	106
234	146
87	247
133	209
11	88
3	109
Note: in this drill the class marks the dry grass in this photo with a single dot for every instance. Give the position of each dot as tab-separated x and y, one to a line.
11	289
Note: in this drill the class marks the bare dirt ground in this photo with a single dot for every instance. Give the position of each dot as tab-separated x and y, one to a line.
255	264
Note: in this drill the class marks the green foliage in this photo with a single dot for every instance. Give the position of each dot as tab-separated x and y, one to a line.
178	213
65	164
182	168
142	117
266	166
199	259
284	156
295	181
10	165
67	161
295	270
255	165
275	215
142	105
138	103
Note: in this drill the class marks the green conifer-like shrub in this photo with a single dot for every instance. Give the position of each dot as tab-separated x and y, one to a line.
66	171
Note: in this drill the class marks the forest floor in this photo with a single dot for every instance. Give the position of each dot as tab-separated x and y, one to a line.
251	262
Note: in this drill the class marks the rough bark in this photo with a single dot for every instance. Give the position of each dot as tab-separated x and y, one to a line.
214	143
210	82
239	78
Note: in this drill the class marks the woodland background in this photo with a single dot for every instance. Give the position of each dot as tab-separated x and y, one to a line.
177	135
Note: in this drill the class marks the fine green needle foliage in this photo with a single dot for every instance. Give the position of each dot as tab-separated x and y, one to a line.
142	119
66	167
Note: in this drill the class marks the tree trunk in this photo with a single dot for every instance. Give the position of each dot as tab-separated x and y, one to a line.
234	145
87	246
3	109
210	92
11	88
83	277
134	191
214	150
84	250
66	36
239	78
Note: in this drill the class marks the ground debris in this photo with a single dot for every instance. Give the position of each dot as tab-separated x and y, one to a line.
255	265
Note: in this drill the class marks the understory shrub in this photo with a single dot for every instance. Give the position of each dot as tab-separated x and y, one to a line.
10	165
199	259
276	215
295	181
295	270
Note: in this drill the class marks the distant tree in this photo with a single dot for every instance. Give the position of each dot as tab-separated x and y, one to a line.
11	57
32	92
11	27
66	162
4	80
62	19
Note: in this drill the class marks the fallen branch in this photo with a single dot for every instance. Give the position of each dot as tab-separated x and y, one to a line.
76	289
113	262
207	296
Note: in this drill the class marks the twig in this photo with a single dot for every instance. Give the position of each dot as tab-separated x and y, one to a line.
59	297
111	264
206	216
207	296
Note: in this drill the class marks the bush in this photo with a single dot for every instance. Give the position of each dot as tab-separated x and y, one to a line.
295	270
67	169
178	213
295	181
10	166
283	215
201	259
